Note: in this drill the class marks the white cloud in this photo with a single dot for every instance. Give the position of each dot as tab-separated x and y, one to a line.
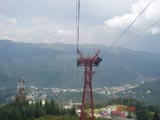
149	16
65	32
54	20
155	30
120	21
37	30
56	23
7	21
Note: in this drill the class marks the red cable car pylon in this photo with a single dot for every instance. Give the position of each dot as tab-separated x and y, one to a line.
87	108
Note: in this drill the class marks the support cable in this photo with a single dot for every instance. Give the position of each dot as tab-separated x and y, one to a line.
126	30
142	32
77	21
77	40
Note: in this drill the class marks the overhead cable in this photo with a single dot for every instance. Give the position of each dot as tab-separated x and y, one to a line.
142	32
128	27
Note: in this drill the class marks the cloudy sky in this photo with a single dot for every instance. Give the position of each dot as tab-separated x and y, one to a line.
101	21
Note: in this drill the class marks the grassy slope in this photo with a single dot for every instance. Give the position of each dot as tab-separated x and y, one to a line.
65	117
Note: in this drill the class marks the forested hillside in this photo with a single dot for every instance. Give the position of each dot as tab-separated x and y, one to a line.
55	65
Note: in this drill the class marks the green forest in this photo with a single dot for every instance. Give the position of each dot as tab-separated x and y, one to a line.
22	110
51	110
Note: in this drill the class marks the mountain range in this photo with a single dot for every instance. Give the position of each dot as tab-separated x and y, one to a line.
50	65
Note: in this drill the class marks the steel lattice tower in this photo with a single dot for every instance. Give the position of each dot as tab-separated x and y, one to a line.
87	108
21	95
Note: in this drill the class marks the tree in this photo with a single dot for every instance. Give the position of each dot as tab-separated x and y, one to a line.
156	116
39	111
72	111
129	115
